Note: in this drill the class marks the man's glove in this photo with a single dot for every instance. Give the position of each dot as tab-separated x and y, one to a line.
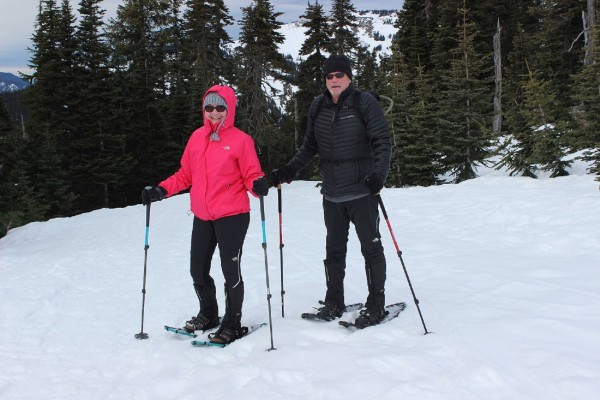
374	183
152	194
260	187
283	175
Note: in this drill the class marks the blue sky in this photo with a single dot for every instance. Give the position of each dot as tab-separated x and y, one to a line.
17	19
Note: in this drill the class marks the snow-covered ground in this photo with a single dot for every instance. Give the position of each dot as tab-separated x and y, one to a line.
505	268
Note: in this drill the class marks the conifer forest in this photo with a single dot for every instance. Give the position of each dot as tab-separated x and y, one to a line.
512	84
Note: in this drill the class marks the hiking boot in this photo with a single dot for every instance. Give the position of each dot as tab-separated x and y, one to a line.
201	323
329	312
369	317
227	335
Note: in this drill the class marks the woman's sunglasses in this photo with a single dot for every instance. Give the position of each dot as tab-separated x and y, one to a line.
219	108
338	75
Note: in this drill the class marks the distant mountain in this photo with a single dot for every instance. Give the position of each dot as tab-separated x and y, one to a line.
375	29
11	83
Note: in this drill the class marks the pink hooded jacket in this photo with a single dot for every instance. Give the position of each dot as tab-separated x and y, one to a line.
219	172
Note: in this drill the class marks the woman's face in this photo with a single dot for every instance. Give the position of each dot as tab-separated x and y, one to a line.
214	113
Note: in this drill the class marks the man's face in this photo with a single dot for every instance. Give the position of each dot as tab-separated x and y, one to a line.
337	84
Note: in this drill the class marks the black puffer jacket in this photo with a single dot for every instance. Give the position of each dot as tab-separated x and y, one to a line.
349	149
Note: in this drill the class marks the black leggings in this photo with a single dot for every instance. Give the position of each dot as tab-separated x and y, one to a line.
229	234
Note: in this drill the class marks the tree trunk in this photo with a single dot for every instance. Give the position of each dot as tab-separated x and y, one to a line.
591	26
497	124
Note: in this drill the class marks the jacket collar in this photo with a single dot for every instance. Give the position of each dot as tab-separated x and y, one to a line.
343	96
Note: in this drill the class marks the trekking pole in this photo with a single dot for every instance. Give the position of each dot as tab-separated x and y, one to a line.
143	335
264	246
280	248
401	260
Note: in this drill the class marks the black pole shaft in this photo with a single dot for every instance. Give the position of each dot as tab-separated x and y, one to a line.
264	246
279	207
143	335
387	220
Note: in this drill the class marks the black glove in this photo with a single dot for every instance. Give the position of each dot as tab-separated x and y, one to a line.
374	183
260	187
283	175
152	194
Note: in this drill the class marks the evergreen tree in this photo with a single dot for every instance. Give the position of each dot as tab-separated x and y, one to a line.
397	90
205	59
310	81
310	76
367	70
138	60
416	158
416	23
16	107
50	125
540	67
259	61
205	46
546	128
587	97
420	143
515	150
558	57
99	162
176	83
18	202
465	103
343	29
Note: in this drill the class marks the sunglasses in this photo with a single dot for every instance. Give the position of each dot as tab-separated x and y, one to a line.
338	75
210	108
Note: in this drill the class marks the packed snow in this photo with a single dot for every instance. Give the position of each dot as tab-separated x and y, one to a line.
505	270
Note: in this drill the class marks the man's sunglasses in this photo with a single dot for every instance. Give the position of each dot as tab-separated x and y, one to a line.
219	108
338	75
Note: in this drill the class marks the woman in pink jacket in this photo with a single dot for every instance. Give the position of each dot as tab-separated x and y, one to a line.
220	165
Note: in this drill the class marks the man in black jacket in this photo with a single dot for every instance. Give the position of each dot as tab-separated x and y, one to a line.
352	139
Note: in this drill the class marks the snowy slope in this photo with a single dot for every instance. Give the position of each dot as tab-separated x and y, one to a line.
369	24
506	271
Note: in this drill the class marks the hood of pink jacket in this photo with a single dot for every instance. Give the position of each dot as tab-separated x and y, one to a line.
221	172
228	94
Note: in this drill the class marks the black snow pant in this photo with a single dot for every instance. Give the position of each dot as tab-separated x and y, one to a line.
229	234
364	214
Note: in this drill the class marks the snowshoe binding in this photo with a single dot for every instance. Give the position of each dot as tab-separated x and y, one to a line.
224	335
368	317
329	312
201	323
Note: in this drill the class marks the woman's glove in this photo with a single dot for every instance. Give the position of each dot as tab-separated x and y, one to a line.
152	194
260	187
